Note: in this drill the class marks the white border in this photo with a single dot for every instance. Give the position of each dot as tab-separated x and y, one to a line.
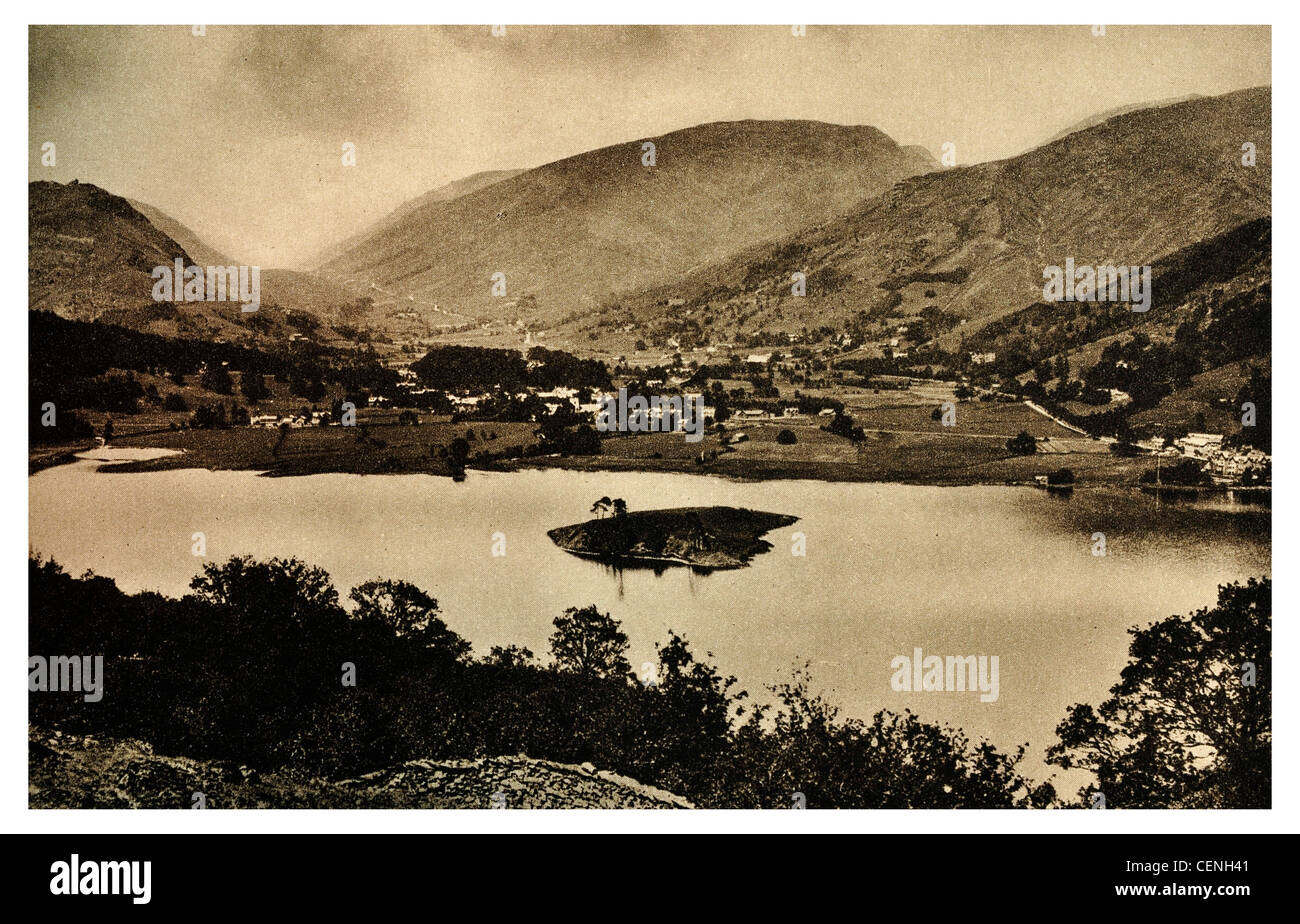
14	814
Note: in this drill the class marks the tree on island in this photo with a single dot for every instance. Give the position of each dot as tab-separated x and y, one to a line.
601	507
589	642
1189	724
620	507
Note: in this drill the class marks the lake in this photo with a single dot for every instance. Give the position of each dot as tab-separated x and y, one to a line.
888	568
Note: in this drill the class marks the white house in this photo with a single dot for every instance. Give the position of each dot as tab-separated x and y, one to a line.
1200	445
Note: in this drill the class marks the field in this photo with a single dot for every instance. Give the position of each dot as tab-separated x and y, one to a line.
376	445
903	443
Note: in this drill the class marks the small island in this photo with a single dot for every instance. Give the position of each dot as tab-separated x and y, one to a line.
705	538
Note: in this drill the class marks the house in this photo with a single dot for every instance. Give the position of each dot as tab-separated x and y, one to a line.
826	412
982	359
1200	445
758	359
789	412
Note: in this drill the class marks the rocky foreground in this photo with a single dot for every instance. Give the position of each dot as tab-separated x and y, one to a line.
67	771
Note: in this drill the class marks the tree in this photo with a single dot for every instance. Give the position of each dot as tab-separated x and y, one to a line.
601	507
459	452
512	657
285	588
216	378
1189	723
175	401
1062	476
407	611
842	425
787	438
1022	444
620	507
253	387
589	642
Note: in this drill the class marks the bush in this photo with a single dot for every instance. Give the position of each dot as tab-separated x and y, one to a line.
1022	444
1061	476
787	438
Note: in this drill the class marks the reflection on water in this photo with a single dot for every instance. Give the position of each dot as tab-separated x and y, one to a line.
972	570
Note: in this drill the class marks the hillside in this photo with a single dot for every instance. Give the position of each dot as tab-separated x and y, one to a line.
568	234
1100	117
973	241
453	190
91	258
90	251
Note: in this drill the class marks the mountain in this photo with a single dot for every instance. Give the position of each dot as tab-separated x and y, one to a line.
92	254
198	250
568	234
90	251
91	257
291	289
973	241
453	190
1109	114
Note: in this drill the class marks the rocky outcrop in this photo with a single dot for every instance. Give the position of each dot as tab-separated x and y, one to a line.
512	782
70	771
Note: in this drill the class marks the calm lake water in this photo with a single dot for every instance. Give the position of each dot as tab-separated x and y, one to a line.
888	568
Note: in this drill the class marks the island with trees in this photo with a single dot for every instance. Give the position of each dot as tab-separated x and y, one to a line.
705	538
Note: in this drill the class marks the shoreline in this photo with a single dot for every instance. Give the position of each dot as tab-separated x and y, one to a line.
755	473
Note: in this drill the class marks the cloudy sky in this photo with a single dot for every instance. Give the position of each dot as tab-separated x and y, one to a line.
239	133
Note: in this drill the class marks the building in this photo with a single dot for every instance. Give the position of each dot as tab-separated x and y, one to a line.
1200	445
758	359
982	359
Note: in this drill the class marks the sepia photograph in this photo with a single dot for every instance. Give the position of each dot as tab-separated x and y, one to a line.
671	417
